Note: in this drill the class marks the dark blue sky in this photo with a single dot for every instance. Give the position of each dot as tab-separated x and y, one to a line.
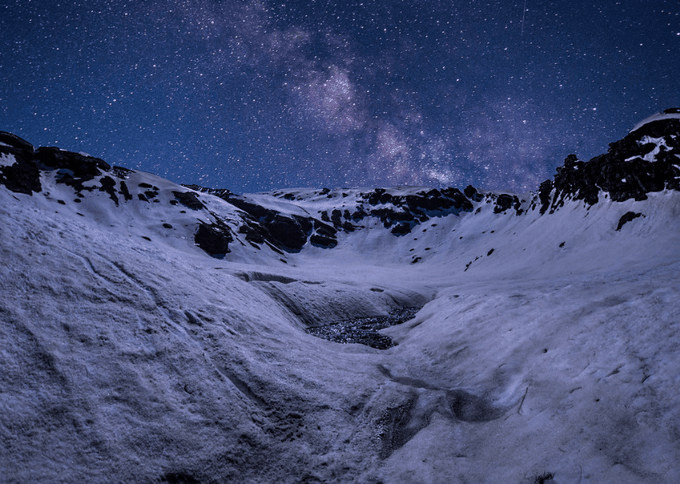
254	94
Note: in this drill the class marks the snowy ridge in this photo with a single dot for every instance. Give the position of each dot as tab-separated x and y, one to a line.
672	113
153	332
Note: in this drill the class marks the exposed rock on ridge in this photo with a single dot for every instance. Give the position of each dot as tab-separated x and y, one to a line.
645	161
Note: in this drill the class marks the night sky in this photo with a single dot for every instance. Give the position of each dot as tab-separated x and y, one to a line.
253	95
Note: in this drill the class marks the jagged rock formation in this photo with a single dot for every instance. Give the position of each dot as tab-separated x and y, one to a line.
644	161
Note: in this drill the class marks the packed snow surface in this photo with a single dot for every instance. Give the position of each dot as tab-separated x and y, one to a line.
547	345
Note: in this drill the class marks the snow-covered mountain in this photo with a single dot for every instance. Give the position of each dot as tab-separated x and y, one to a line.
152	332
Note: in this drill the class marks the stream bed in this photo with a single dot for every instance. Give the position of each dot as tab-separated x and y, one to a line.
364	330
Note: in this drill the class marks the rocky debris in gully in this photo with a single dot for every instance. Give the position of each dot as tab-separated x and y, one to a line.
364	330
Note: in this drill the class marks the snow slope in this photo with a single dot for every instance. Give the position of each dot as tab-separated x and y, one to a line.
546	348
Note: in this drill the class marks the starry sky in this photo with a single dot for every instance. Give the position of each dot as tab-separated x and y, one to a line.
253	95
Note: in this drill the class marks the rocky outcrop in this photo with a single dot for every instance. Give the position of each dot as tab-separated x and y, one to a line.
396	211
22	167
285	233
627	217
72	169
214	238
646	160
22	176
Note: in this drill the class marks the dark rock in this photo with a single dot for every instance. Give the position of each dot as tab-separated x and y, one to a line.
72	169
80	166
544	192
472	193
622	171
627	217
402	228
189	200
214	238
124	191
15	143
306	223
121	172
21	177
413	209
24	175
108	186
287	232
336	217
322	241
324	229
252	232
504	202
348	227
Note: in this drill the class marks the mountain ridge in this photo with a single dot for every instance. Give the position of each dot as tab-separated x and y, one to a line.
645	161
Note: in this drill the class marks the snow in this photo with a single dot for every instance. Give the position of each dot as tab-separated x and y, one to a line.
7	159
659	142
129	355
655	117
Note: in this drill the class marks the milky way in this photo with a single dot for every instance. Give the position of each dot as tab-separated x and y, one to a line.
254	95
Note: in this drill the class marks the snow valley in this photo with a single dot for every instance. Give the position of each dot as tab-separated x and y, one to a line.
152	332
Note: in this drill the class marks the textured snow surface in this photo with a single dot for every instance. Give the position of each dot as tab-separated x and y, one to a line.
546	344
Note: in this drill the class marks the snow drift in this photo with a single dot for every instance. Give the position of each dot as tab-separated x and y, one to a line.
153	332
